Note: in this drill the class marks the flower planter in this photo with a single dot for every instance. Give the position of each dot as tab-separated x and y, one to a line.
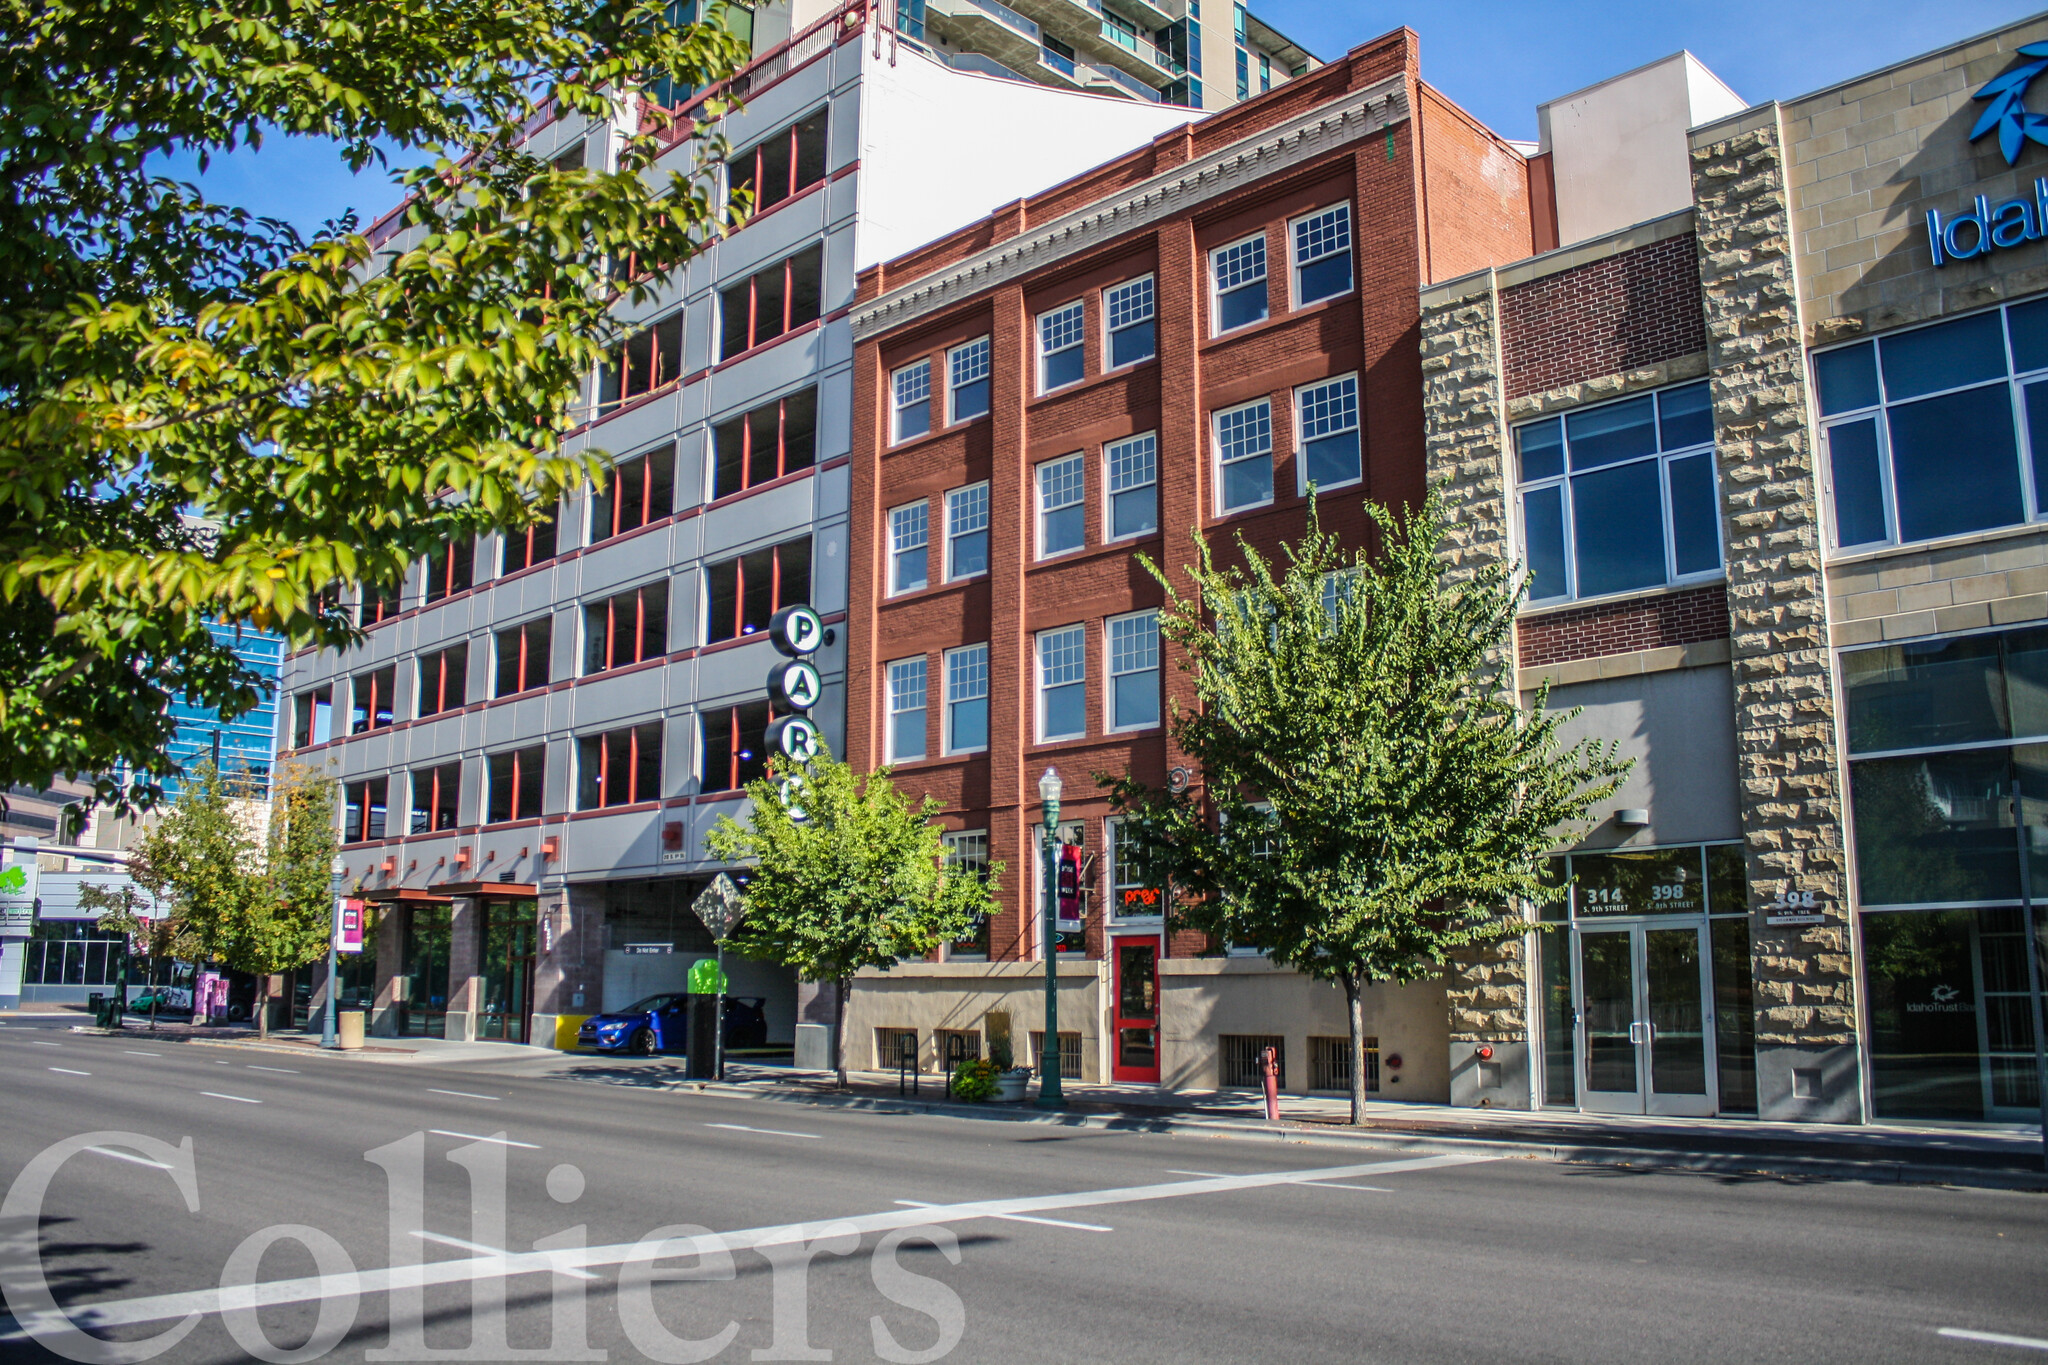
1010	1085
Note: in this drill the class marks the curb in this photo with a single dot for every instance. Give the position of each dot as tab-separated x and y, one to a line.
1625	1158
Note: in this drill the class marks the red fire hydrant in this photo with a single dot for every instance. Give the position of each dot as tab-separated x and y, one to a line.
1269	1067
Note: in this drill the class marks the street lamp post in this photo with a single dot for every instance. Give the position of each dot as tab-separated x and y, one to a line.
1049	1096
337	874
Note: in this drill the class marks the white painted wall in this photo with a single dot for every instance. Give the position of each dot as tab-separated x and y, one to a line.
941	148
1618	149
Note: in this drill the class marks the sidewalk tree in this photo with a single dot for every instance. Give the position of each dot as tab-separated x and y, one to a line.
846	874
125	911
1375	798
206	417
289	924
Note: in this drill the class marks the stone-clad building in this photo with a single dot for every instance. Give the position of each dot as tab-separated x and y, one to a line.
1782	512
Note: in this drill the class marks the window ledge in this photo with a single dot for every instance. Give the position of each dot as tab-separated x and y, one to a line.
1083	385
1089	553
1615	598
1935	546
926	438
1268	323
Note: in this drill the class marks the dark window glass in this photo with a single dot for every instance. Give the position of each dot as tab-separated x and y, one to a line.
523	657
451	569
2036	399
772	440
1326	278
1954	466
443	680
619	767
1947	356
363	810
642	363
1241	307
1934	828
811	144
1847	378
1924	693
1065	367
1618	515
734	746
515	781
1543	525
436	794
1859	483
1127	346
1695	531
524	549
628	628
1540	447
1944	1036
772	185
1333	459
1685	417
1613	431
2028	324
742	594
2026	686
1734	1015
370	699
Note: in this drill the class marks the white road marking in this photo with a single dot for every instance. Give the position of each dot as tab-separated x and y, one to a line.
133	1053
69	1072
1320	1184
223	1063
128	1156
281	1070
118	1313
37	1042
482	1250
472	1137
463	1093
1994	1338
771	1132
1021	1218
238	1099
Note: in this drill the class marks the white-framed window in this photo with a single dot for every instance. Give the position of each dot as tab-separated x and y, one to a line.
1127	312
1238	273
967	851
967	531
1062	358
1939	430
909	535
1131	895
1322	254
1620	496
1132	643
1062	498
1062	683
1326	428
1244	456
1131	475
967	380
966	699
911	396
906	709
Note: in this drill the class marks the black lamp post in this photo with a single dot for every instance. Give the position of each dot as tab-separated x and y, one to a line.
1049	1096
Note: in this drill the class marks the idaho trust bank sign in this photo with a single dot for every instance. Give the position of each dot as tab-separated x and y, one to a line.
1983	229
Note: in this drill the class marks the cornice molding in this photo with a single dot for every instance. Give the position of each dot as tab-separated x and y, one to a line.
1271	151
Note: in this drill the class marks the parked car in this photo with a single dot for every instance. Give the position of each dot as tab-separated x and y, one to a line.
161	1000
661	1023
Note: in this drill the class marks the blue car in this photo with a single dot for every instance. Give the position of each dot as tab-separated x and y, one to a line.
661	1023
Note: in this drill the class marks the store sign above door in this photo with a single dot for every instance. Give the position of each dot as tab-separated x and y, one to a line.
1983	229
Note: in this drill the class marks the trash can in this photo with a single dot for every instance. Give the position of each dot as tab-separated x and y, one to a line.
349	1030
701	1063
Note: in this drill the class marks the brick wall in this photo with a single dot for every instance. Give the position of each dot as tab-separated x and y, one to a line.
1681	618
1627	310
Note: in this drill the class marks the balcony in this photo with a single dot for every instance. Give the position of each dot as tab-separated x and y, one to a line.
986	26
1137	56
1109	80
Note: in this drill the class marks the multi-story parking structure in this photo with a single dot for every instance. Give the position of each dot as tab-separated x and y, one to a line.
537	730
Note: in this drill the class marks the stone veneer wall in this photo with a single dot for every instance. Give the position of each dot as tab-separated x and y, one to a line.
1785	711
1465	415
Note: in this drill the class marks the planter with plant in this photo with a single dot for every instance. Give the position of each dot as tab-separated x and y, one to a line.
975	1081
1011	1079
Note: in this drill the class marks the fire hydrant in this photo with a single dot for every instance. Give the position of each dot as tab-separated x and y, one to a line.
1269	1067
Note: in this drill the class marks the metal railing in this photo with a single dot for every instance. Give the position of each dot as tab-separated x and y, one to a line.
1009	18
1047	57
1123	80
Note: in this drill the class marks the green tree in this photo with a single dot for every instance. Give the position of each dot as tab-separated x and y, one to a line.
1374	796
124	911
857	879
205	416
288	926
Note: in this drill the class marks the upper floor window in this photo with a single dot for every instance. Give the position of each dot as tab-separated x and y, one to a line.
967	851
1938	431
523	549
1322	255
640	490
1062	683
1061	504
1133	643
443	680
378	604
966	699
1239	271
1062	357
452	568
1326	420
643	362
626	629
906	709
735	745
523	652
967	379
967	531
910	390
742	593
771	301
313	717
1244	456
513	782
1132	467
364	805
909	547
1620	497
787	160
774	439
370	699
436	798
1132	894
619	768
1127	313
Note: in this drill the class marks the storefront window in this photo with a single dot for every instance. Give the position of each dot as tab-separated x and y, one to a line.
1951	1028
423	995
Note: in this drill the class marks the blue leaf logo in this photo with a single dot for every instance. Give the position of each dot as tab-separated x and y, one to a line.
2007	110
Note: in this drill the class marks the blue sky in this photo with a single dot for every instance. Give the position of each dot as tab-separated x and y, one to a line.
1497	58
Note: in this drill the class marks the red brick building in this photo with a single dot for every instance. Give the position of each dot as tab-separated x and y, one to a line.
1175	342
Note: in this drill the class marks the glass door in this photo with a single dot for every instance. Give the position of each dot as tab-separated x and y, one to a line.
507	971
1137	1010
1646	1033
423	993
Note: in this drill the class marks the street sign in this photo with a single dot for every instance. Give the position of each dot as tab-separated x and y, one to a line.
348	925
648	949
794	685
796	631
719	906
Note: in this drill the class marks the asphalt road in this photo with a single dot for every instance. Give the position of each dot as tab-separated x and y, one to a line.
1072	1244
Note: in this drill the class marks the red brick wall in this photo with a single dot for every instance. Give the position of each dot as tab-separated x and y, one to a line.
1680	618
1476	209
1635	308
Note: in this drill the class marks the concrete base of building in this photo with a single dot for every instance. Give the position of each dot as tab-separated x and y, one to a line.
461	1027
1808	1084
1499	1080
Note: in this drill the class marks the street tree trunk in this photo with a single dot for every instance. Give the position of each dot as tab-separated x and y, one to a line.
839	989
263	1007
1354	999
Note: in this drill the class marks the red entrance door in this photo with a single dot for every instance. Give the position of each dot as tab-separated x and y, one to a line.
1137	1010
